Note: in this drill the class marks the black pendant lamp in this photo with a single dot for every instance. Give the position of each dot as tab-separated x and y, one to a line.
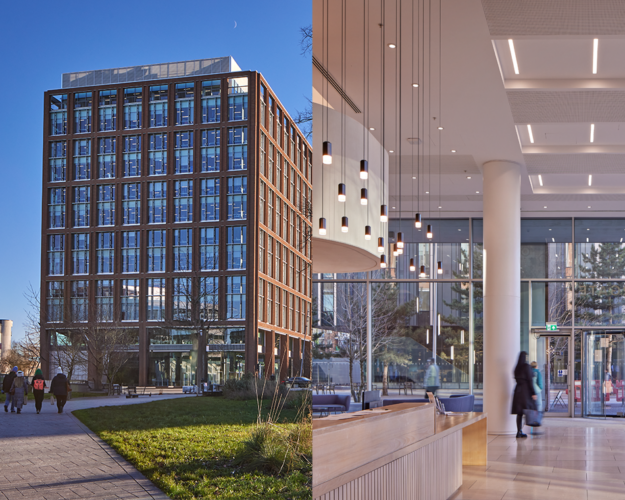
344	225
417	221
440	267
381	245
383	213
327	153
383	261
364	169
322	226
422	272
367	232
413	268
429	233
342	192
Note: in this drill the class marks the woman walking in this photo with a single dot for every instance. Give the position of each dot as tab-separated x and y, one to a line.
537	382
524	395
38	385
19	389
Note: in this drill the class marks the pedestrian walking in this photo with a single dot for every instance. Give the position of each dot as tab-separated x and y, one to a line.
432	379
524	394
19	389
38	386
60	387
6	388
537	382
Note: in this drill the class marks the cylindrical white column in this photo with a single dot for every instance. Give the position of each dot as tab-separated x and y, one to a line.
5	336
502	290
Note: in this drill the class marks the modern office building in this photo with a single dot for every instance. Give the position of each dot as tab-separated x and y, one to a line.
177	207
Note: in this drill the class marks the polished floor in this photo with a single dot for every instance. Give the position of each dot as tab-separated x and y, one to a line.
567	460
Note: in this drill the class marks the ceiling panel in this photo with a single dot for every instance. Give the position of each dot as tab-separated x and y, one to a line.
575	164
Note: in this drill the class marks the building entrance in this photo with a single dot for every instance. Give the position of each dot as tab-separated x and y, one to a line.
552	355
603	373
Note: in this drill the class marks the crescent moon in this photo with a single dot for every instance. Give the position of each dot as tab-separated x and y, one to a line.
235	24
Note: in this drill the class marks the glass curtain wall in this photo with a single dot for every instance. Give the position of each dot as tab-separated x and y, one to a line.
572	274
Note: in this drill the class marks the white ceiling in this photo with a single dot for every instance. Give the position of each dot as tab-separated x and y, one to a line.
485	106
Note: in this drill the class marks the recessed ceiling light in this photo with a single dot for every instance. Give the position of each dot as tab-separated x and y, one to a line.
440	128
427	192
391	151
440	207
453	150
393	208
540	180
587	229
371	128
392	45
477	192
549	229
595	52
587	240
513	54
414	177
468	176
590	179
415	85
592	132
545	207
529	131
553	239
589	206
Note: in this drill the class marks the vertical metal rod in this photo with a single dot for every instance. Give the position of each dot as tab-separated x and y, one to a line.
369	336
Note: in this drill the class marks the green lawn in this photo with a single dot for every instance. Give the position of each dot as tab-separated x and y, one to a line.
186	447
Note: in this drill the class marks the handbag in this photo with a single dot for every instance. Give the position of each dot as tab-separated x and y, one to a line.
533	418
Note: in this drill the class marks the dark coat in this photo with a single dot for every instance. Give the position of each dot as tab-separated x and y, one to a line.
8	381
523	391
58	386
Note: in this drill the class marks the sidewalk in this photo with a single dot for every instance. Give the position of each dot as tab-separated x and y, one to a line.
54	456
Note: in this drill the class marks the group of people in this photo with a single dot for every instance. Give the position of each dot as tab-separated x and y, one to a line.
15	386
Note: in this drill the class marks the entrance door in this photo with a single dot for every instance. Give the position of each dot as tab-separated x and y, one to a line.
552	357
604	365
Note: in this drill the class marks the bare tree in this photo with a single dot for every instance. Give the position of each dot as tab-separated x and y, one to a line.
306	39
68	350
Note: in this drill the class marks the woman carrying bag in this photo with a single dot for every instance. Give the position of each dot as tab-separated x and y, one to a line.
524	400
19	390
39	385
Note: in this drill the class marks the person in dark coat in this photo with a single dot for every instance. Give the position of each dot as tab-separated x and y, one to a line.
19	388
59	387
38	384
524	395
6	388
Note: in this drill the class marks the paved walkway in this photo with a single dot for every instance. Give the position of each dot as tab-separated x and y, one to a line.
53	456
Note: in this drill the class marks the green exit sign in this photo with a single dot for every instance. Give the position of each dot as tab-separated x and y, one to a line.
552	327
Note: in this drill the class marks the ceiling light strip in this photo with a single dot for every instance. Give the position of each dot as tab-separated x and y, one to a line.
595	52
540	180
590	180
513	54
592	132
529	131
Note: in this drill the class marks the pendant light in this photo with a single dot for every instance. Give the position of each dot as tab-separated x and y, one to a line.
440	267
422	272
322	226
413	268
367	232
327	153
364	169
344	225
383	213
417	221
429	233
400	251
363	196
383	261
381	245
342	193
400	240
395	253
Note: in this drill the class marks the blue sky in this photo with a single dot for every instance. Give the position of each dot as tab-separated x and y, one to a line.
41	40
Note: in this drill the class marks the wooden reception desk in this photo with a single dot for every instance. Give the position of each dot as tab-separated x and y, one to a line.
402	451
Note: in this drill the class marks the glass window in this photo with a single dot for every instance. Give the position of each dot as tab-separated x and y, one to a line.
158	106
209	298
156	251
209	200
270	116
237	248
104	296
183	152
279	115
183	201
58	114
599	248
106	157
130	300
210	150
57	161
211	101
156	299
108	110
235	297
184	103
209	249
546	249
157	202
82	112
261	203
81	206
82	159
270	163
263	105
158	154
182	298
131	204
79	301
106	253
80	253
54	301
237	108
599	303
132	155
132	108
56	254
182	250
262	153
130	251
106	205
237	148
237	85
56	208
237	198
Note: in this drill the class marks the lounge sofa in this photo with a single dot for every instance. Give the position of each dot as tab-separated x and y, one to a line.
331	402
456	402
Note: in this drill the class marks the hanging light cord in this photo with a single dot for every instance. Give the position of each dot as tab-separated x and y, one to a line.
440	109
399	84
